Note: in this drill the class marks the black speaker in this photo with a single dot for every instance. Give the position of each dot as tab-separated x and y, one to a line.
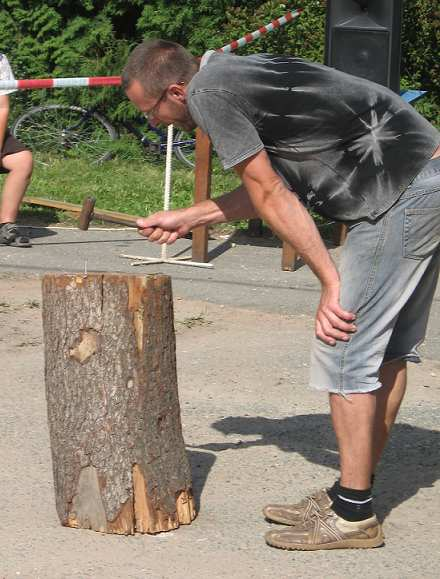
363	38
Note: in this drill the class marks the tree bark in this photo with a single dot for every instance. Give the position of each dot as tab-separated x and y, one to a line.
118	453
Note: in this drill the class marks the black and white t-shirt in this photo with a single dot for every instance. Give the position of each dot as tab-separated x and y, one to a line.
349	147
5	74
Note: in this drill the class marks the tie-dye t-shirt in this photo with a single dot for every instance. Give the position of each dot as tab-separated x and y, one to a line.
5	74
347	146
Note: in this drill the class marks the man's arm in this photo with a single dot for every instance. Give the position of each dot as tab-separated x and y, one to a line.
4	114
286	215
167	226
263	194
289	219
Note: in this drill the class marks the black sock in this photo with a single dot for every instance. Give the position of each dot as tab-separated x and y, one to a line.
353	504
333	491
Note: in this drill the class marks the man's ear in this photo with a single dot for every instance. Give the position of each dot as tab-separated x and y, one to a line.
178	92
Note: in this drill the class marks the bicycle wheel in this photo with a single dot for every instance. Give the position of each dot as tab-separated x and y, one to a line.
185	147
68	131
151	139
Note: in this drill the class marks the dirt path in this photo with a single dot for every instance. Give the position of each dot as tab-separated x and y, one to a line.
255	434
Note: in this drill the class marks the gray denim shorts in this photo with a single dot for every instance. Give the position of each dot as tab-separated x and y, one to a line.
389	271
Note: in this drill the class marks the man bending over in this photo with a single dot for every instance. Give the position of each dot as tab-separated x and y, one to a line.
300	134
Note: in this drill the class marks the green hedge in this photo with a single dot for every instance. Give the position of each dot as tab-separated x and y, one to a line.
93	37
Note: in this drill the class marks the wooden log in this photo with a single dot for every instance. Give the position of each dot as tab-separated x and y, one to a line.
119	459
202	191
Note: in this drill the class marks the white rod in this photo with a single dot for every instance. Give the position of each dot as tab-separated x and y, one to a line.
173	262
167	186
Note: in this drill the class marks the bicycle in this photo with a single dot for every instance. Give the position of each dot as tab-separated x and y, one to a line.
74	131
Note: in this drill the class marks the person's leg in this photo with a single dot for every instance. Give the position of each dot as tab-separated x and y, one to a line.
353	422
393	377
19	166
362	424
389	271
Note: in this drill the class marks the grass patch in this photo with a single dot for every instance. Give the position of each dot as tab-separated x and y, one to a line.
194	321
129	186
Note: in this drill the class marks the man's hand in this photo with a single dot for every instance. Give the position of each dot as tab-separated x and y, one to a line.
165	226
332	322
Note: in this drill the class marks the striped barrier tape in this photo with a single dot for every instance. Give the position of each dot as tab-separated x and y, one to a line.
262	30
116	80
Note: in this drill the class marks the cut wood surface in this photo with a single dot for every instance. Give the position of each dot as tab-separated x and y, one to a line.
119	459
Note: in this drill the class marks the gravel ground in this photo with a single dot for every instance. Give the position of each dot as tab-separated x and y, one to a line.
254	432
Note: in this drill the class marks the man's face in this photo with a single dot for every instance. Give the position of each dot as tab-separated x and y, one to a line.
169	109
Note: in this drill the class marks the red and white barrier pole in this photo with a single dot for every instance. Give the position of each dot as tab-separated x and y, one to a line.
116	80
250	36
60	82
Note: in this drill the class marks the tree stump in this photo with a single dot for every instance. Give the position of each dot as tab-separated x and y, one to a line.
118	453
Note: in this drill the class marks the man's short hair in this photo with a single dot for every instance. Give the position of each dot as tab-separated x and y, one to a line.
158	63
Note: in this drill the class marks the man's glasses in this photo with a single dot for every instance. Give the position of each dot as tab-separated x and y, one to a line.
152	112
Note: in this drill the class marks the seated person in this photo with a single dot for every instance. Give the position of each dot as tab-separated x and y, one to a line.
16	161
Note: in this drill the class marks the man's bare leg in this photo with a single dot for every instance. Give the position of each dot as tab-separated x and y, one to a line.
362	424
348	521
389	398
16	182
353	421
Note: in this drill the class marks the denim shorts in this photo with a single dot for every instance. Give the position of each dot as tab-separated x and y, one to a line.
389	272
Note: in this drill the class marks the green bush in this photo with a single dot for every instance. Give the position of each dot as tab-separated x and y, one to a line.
45	38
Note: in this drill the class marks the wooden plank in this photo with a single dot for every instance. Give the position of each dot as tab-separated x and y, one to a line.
255	227
288	258
342	233
202	191
102	214
63	205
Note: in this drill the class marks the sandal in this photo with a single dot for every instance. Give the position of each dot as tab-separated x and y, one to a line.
9	235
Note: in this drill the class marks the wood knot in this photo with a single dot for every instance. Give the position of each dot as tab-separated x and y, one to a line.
86	346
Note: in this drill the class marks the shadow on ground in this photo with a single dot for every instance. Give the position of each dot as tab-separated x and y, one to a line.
201	464
38	216
36	232
410	461
266	239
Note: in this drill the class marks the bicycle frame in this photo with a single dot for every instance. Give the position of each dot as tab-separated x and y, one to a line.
159	146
